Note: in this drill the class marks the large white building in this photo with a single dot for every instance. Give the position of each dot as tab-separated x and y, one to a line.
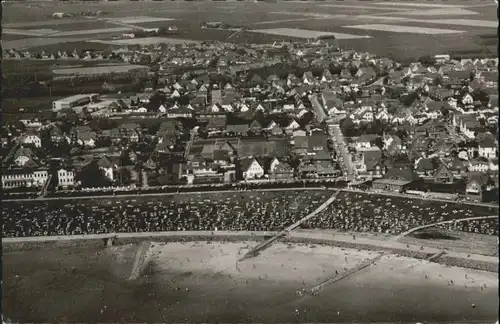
74	101
24	178
65	178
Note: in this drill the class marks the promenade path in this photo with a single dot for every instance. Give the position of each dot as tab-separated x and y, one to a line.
458	220
134	195
340	239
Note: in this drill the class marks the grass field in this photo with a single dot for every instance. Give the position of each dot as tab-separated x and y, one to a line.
98	69
145	41
399	39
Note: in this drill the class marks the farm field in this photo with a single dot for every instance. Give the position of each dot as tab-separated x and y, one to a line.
98	69
144	41
402	30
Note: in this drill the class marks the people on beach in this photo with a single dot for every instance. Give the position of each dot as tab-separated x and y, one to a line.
233	211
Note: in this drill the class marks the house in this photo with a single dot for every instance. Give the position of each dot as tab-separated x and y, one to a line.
268	163
397	180
23	155
457	168
366	72
182	112
65	178
322	155
487	146
216	124
371	162
108	166
274	129
31	138
479	186
493	165
308	78
444	175
393	145
82	135
319	169
255	126
293	125
56	134
237	128
479	165
283	171
366	141
425	167
251	169
24	177
216	96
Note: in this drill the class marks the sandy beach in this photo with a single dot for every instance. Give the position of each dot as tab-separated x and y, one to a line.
203	282
277	283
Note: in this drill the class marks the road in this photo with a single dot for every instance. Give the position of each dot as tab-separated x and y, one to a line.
335	134
319	111
458	220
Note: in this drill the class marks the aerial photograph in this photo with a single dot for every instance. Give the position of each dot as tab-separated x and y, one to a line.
246	161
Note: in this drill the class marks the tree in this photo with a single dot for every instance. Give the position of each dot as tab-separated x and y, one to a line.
92	176
348	127
427	60
379	142
402	134
124	177
409	99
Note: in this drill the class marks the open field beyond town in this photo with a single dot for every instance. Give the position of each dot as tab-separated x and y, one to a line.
400	30
201	281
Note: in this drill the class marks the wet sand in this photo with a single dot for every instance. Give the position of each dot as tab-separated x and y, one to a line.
201	281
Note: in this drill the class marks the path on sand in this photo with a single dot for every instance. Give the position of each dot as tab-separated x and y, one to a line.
458	220
261	246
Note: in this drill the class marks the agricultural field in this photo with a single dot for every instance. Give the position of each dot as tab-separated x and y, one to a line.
400	30
98	69
145	41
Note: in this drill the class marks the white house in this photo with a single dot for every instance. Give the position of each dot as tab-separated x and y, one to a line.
478	166
383	115
365	141
273	165
293	125
251	169
66	178
31	139
24	179
21	160
215	108
244	108
467	100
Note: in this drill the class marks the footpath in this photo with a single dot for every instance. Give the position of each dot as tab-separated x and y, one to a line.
160	194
